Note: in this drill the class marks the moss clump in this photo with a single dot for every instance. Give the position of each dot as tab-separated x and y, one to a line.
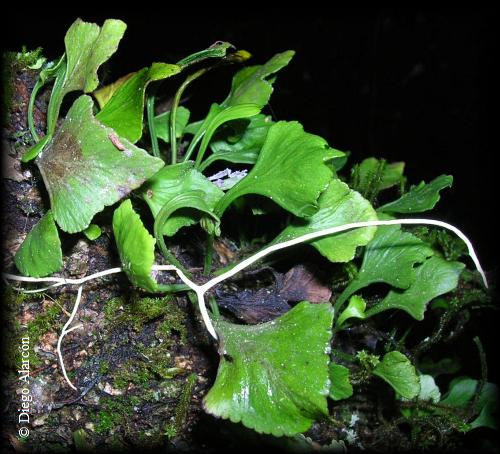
43	323
157	364
15	62
134	372
156	358
12	332
172	323
104	367
136	312
114	412
173	428
28	59
105	421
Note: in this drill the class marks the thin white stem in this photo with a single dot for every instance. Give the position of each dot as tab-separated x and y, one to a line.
73	328
201	289
65	331
62	280
341	228
200	295
38	290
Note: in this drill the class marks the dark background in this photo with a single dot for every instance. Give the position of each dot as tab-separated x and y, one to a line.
411	85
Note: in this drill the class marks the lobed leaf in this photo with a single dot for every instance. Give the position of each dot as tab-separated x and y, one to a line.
217	117
341	387
389	257
40	253
87	166
433	278
125	110
188	201
88	46
274	377
419	198
173	181
337	205
291	170
252	84
397	370
246	149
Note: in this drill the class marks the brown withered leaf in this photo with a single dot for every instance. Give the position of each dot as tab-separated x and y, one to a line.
300	284
254	306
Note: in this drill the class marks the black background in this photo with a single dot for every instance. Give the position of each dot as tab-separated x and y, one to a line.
409	85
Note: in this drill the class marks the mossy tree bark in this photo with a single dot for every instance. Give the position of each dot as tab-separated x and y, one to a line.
140	362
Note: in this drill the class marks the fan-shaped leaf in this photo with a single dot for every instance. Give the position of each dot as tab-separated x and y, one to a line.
434	277
338	205
419	198
390	257
397	370
87	166
40	254
124	111
252	84
291	170
273	377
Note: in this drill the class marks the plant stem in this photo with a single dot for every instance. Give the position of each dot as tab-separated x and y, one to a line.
473	406
214	307
170	257
209	254
173	288
31	122
151	125
194	142
173	111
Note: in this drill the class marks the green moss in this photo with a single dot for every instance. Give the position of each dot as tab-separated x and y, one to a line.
134	372
41	325
13	62
13	332
29	59
136	312
44	322
172	323
367	360
105	421
157	357
173	428
114	412
104	367
157	364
